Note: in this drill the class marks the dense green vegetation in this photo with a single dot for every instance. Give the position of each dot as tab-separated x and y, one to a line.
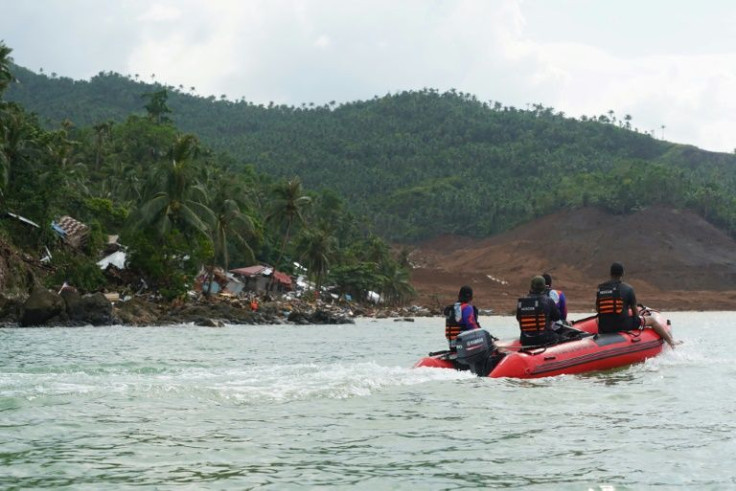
423	163
178	204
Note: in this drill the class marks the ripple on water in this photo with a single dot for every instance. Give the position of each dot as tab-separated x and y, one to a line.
225	409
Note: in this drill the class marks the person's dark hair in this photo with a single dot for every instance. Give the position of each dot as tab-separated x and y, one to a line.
547	279
465	294
537	285
617	269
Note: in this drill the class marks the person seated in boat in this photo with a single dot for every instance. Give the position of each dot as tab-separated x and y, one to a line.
617	309
536	314
460	316
557	295
563	328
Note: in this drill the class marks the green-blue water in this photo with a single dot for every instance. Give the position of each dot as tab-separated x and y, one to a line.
312	407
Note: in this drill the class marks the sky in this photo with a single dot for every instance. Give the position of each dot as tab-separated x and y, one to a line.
669	64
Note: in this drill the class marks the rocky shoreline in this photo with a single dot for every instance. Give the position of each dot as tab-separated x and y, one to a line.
46	308
68	308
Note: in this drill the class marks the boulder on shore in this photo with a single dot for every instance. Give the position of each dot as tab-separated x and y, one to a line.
40	307
46	308
69	308
96	309
10	309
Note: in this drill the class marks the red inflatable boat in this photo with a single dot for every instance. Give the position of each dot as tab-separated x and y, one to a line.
588	351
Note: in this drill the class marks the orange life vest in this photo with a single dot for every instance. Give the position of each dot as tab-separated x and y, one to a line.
610	307
608	300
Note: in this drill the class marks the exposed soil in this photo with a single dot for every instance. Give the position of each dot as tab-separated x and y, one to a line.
674	259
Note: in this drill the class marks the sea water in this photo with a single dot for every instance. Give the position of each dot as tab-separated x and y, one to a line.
313	407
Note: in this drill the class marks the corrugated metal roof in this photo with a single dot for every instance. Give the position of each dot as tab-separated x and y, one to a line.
249	271
259	270
282	278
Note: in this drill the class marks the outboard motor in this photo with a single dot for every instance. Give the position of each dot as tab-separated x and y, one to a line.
475	348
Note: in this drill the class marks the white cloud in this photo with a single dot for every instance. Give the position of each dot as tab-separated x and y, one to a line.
160	13
322	41
662	63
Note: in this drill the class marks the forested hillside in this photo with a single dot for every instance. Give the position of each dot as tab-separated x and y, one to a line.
420	163
181	211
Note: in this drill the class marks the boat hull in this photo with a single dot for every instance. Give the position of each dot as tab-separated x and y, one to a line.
591	353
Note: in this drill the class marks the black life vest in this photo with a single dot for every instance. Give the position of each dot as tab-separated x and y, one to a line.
533	319
610	307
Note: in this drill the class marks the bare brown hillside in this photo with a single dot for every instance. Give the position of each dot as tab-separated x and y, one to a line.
674	259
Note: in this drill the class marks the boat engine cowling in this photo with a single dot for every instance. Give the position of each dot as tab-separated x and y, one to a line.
475	349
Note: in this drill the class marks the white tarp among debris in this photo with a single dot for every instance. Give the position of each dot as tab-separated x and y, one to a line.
117	259
374	297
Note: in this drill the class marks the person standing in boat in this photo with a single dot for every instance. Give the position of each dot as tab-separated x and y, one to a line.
617	308
460	316
536	314
558	296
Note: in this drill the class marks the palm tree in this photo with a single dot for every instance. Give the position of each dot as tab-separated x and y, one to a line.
180	201
66	172
5	79
375	250
317	249
103	131
18	149
156	107
395	285
5	76
287	208
230	221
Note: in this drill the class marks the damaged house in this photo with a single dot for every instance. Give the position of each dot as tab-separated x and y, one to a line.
261	279
71	231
